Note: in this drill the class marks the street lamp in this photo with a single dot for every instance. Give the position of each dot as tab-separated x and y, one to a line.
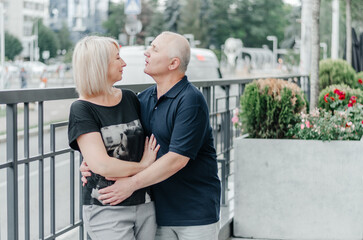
274	47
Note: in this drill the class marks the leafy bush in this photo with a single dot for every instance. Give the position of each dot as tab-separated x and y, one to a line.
340	116
269	107
359	80
335	72
344	124
335	96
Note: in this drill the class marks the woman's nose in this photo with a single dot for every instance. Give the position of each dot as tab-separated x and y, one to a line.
123	63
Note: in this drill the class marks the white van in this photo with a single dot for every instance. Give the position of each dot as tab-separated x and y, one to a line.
203	65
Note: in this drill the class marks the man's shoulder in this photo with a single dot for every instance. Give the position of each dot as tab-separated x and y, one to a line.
193	95
146	92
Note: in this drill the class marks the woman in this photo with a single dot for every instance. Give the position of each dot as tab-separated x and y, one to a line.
104	126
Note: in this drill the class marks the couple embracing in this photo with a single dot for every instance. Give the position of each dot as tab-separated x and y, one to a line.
150	168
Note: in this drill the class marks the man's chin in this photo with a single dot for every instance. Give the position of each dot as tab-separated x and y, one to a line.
146	72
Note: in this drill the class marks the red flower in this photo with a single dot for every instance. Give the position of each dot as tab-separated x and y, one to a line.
353	99
337	91
332	98
342	96
326	97
360	81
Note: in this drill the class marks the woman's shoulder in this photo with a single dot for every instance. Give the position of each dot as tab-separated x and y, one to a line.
79	104
129	94
81	108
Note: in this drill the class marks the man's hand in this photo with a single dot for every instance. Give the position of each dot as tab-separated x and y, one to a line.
85	171
117	192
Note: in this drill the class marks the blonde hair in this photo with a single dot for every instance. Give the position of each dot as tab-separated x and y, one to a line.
90	61
180	48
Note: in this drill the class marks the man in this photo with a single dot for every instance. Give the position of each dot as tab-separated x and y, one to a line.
187	187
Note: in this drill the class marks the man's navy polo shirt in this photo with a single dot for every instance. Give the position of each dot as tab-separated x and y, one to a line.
180	122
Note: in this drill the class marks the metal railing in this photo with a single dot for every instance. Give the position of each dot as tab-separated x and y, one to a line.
222	97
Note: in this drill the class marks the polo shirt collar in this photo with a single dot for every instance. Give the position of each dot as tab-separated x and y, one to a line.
175	90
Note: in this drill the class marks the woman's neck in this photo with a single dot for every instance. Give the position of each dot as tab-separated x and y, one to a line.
105	99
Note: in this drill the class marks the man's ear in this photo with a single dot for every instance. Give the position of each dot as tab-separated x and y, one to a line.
174	64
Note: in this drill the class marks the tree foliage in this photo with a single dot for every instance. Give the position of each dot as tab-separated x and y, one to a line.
219	26
258	19
13	46
47	41
172	15
213	21
64	39
115	23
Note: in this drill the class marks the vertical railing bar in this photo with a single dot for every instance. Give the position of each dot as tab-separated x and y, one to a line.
12	172
52	180
227	138
72	190
26	173
207	95
41	168
213	110
223	181
81	228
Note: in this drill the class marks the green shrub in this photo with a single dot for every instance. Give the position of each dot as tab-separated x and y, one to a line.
327	103
335	72
269	107
344	124
359	80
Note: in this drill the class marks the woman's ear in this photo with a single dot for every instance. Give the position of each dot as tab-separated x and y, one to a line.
174	64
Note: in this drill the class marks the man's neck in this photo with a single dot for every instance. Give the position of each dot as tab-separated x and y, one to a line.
164	84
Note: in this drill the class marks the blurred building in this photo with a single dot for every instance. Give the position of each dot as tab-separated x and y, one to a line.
80	16
20	17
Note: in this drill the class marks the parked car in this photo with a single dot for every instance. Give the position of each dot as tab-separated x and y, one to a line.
34	67
203	65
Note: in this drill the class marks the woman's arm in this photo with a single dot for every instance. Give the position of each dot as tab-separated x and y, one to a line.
98	161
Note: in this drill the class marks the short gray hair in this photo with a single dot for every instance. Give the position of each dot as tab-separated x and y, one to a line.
90	61
179	48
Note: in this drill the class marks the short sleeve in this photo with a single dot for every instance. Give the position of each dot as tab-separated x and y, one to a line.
190	128
81	121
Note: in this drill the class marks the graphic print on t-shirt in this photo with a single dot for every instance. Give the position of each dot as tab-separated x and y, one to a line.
123	141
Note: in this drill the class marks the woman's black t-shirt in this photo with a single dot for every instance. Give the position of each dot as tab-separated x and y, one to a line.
122	135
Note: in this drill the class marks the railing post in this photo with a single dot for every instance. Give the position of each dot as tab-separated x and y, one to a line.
227	136
26	172
223	181
52	180
12	172
207	95
228	125
41	168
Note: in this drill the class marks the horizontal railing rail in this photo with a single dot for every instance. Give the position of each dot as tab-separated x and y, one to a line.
21	164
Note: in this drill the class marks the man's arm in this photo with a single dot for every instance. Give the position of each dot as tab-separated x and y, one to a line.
163	168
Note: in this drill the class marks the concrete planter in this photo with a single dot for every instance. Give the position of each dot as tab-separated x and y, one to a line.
298	189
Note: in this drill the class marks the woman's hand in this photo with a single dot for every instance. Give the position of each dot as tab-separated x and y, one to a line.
85	171
150	151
